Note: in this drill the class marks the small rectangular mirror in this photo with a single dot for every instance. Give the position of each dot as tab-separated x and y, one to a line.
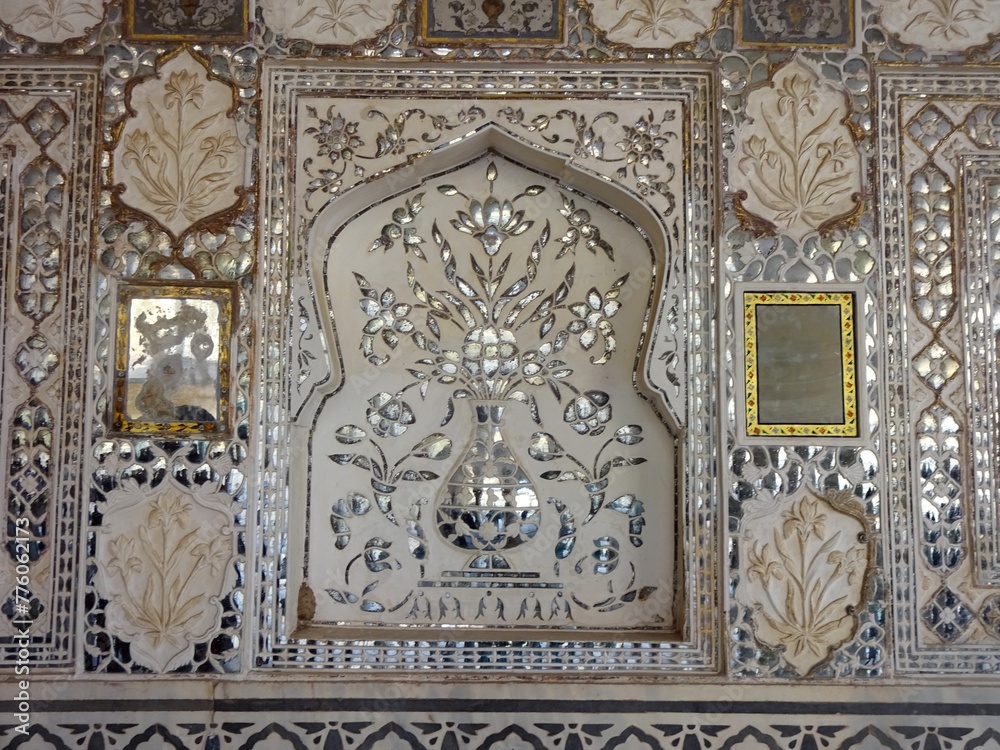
800	364
172	359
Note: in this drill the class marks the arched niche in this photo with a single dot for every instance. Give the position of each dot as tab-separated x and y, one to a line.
487	453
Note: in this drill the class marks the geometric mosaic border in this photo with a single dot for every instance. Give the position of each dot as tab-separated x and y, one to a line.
773	721
928	122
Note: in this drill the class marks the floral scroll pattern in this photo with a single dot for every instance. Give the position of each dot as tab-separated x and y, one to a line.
796	162
180	158
340	154
805	569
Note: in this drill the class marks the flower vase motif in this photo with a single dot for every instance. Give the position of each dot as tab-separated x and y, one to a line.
489	506
499	300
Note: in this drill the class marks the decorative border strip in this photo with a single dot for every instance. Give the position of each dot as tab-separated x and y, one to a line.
641	726
980	201
907	92
849	428
76	82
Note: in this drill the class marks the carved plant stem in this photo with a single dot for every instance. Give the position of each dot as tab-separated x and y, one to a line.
802	183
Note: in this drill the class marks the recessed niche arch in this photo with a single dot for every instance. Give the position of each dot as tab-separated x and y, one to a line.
487	453
420	306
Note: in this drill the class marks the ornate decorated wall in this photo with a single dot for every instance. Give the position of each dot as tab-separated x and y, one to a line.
500	374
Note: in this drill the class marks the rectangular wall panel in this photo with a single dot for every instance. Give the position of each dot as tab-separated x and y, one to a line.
46	140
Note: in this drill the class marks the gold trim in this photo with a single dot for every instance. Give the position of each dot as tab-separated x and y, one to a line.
225	295
850	427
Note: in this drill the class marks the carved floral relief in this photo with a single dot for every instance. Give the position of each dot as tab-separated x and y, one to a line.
328	22
941	25
654	23
51	21
804	568
179	159
165	559
796	165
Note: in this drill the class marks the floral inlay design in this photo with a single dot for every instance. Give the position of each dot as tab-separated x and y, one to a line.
941	25
805	567
164	560
340	147
477	21
636	145
796	161
51	21
654	23
180	158
509	312
332	22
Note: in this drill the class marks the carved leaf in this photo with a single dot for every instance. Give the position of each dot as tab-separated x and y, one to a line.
804	565
151	556
51	21
328	21
653	23
939	25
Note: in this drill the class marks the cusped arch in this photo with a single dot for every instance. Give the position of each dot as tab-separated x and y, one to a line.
561	166
487	454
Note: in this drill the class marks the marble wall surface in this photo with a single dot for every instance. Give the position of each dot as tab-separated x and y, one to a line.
526	195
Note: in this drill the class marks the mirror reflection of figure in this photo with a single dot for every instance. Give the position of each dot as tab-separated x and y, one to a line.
180	372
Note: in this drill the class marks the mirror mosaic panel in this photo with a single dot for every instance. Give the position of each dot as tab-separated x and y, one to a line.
776	484
533	330
165	536
941	129
46	124
510	288
871	562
